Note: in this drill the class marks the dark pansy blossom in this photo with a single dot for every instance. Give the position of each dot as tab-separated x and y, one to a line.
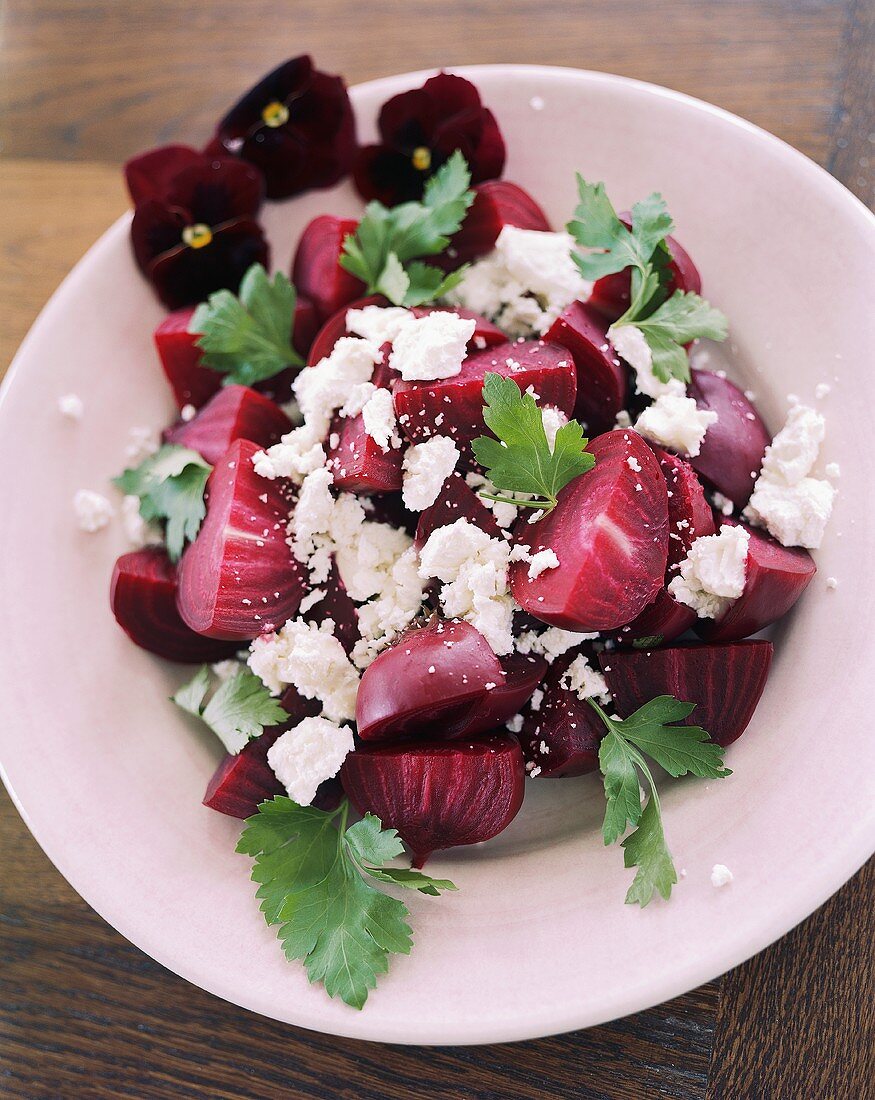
419	130
296	125
194	229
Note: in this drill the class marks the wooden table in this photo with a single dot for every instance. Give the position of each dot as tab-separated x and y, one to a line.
84	85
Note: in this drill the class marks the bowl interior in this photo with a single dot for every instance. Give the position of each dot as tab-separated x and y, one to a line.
109	775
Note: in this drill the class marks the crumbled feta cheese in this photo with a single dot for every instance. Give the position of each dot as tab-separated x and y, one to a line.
378	417
515	723
298	453
226	669
93	511
313	660
322	389
712	574
357	398
822	389
307	755
310	600
432	346
426	467
187	413
720	875
551	643
722	504
505	514
539	562
71	406
832	583
633	464
553	420
367	555
833	469
142	442
624	420
378	324
628	341
473	569
137	531
310	525
794	450
676	422
586	681
392	611
536	103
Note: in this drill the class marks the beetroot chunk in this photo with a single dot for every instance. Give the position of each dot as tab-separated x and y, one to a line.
192	384
724	681
142	595
497	203
235	412
456	500
438	795
610	534
562	737
316	271
522	674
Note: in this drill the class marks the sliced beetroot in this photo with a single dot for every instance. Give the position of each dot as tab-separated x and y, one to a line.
456	500
335	327
661	621
306	325
438	794
523	673
610	534
454	406
235	412
316	270
732	450
725	681
336	605
427	684
497	203
358	462
775	578
562	737
238	578
602	378
192	384
142	595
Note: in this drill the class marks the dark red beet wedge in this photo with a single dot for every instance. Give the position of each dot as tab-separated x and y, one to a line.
142	595
497	203
335	327
438	795
602	378
358	462
724	681
732	451
775	578
235	412
337	606
456	500
454	406
522	675
427	684
316	271
238	578
180	357
562	737
610	534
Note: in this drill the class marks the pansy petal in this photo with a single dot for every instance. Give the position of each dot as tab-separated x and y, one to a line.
150	174
451	94
155	229
491	152
218	190
282	84
186	275
387	176
407	120
476	135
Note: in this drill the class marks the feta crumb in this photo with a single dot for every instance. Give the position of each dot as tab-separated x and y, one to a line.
142	442
137	531
317	595
426	467
297	454
93	511
72	406
537	699
633	464
393	609
515	723
833	469
539	562
628	341
551	643
358	396
624	420
325	387
226	669
187	413
832	583
794	450
380	325
378	416
720	875
712	574
553	420
722	504
676	422
505	514
586	681
822	389
432	347
307	755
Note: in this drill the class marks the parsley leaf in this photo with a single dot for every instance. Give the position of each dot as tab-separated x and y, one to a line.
683	317
248	338
170	485
380	251
520	460
310	870
239	710
681	750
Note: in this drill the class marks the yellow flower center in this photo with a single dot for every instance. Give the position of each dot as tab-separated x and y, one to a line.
421	158
275	114
197	236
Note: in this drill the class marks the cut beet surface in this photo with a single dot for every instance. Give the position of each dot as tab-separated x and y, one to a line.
497	203
316	271
562	737
235	412
775	578
238	578
724	681
337	606
454	406
522	674
439	795
180	357
602	378
456	500
335	327
427	684
610	534
732	450
358	462
142	595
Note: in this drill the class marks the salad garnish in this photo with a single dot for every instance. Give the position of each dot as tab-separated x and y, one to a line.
238	710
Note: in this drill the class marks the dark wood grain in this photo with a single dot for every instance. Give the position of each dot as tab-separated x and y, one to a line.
85	83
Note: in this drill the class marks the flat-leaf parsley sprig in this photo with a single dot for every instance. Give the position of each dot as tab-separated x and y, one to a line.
384	250
239	709
667	323
681	750
520	459
314	875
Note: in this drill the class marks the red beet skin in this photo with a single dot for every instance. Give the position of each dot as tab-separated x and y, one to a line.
358	462
427	684
454	406
611	539
142	595
180	357
522	675
732	451
775	578
235	412
562	737
497	203
238	578
456	500
439	795
602	378
335	327
316	271
724	681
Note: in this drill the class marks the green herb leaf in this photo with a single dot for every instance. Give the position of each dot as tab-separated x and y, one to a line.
681	750
388	239
310	869
239	710
248	338
680	319
170	485
520	460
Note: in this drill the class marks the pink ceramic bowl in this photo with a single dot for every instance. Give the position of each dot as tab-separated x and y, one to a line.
109	775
